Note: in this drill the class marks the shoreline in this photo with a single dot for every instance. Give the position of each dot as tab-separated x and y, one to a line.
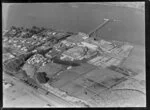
134	5
140	7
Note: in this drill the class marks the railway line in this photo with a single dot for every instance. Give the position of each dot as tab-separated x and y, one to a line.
47	95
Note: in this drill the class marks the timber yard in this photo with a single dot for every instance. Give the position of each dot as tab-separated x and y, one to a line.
70	69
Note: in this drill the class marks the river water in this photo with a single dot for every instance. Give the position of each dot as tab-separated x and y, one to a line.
81	18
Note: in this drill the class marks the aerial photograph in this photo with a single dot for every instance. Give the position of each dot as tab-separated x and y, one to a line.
73	55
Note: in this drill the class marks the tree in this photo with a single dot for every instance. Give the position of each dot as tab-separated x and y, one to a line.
22	74
69	63
12	66
42	78
7	50
15	64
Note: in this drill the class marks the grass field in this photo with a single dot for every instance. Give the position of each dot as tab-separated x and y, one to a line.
50	68
136	61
